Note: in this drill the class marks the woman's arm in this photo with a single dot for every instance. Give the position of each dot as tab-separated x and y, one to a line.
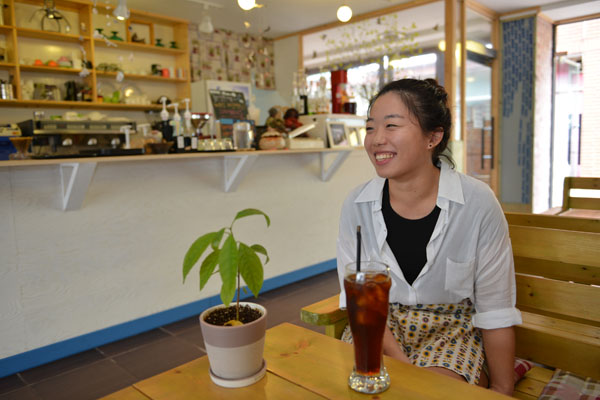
392	348
499	346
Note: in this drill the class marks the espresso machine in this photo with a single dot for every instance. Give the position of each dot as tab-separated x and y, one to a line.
66	139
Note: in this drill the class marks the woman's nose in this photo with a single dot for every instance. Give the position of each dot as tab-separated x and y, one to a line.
378	136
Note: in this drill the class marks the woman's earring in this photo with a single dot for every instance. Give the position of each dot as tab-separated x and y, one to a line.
430	145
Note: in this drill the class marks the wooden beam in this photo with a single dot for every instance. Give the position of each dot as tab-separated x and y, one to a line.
577	19
449	56
481	9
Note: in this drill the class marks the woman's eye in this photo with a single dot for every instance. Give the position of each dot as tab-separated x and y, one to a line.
369	129
391	126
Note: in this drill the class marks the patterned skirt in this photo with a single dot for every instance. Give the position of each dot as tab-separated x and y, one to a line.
437	335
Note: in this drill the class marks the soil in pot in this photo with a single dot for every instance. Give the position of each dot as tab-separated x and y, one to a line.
221	316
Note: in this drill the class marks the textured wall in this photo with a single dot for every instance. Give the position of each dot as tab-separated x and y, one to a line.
516	125
119	257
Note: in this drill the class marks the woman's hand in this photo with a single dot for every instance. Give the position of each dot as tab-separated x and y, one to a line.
392	348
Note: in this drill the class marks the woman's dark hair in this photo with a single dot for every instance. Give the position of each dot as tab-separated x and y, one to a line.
291	113
428	102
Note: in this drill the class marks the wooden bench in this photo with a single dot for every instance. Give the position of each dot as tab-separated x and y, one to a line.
558	293
587	207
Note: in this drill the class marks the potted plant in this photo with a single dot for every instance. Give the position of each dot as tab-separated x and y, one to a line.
233	334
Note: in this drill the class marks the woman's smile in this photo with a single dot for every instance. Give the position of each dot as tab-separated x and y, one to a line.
384	157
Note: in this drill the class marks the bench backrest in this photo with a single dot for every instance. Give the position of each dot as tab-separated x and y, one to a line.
589	203
556	253
557	276
553	222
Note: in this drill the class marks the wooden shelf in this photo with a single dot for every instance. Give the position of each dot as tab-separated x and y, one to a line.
17	41
6	65
138	47
57	70
78	104
4	29
46	35
102	74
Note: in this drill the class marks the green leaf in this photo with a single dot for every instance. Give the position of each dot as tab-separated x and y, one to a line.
251	269
259	249
217	240
251	211
208	266
228	264
195	251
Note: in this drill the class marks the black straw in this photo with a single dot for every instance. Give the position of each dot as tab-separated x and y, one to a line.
358	240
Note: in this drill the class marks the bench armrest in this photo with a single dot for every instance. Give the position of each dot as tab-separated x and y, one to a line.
326	313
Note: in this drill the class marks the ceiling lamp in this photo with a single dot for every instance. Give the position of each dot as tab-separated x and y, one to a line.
344	13
206	25
247	4
121	12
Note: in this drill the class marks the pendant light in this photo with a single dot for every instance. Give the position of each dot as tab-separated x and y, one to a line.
121	12
246	4
344	13
206	25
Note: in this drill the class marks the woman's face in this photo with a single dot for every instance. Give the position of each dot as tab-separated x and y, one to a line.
395	142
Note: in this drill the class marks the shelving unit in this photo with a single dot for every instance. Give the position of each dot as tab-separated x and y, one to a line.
141	77
53	70
138	47
78	104
83	20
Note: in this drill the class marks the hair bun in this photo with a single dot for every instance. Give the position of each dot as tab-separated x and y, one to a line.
439	91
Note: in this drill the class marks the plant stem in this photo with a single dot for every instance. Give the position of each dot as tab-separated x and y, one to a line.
237	306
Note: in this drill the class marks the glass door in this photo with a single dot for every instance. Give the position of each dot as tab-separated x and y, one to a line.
480	162
479	136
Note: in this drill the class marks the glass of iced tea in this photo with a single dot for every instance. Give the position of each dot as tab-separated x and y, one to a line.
367	298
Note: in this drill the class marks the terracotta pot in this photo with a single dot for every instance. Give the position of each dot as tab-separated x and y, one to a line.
235	353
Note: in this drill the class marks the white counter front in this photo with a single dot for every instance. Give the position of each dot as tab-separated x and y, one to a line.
118	258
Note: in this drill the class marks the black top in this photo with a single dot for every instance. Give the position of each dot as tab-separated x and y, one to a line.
408	238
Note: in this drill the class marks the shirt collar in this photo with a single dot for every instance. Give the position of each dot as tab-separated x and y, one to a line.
449	187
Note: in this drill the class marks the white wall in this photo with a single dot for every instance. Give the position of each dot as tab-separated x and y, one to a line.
119	257
286	62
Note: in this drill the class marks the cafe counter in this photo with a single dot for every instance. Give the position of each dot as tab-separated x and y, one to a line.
110	266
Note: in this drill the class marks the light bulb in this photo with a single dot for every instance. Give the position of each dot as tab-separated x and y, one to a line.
344	13
206	25
121	12
246	4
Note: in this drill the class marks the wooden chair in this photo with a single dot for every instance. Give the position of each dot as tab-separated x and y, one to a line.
588	203
558	293
577	205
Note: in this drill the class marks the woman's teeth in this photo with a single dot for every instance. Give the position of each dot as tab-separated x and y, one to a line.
383	156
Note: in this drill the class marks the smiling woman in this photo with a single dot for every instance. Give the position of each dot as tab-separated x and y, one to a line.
444	237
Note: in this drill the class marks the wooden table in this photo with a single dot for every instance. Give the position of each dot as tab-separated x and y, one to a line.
302	364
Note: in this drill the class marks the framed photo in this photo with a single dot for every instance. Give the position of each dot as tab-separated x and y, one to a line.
337	134
356	135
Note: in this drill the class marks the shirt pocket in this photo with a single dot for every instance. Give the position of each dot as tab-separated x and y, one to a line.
459	277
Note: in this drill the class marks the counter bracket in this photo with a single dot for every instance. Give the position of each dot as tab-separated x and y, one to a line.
79	180
327	173
238	170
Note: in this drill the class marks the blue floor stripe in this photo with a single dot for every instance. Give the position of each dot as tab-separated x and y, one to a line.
55	351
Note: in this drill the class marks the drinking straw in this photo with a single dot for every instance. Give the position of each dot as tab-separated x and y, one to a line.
358	248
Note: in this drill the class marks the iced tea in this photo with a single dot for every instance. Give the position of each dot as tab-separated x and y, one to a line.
367	295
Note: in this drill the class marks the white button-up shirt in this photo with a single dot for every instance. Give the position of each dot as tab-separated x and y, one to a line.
469	254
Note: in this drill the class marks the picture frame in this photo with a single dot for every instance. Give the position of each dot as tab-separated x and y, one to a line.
337	134
356	135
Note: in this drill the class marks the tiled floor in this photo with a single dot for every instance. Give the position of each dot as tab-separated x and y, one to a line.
108	368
